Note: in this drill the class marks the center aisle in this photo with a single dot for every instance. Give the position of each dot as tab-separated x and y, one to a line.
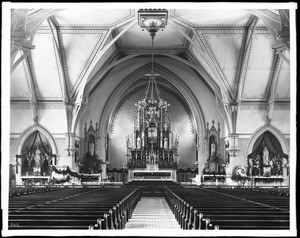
152	213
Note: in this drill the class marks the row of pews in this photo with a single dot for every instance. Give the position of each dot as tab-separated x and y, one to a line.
274	191
73	208
15	192
227	209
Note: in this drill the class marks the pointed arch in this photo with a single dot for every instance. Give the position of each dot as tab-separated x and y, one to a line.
275	131
27	132
107	115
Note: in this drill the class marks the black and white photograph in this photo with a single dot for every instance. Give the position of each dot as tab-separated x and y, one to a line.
148	119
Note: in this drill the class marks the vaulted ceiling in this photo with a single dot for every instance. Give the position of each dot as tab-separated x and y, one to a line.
236	52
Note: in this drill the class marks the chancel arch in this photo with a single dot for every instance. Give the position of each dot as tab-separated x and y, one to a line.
125	87
181	124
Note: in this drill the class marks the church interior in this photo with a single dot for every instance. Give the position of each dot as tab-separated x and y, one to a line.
150	118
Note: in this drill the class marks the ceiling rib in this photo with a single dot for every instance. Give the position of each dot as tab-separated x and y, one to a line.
245	58
58	49
277	62
33	91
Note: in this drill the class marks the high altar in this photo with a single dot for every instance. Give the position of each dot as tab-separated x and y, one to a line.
152	148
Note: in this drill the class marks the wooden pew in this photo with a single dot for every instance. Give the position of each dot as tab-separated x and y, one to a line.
80	211
189	211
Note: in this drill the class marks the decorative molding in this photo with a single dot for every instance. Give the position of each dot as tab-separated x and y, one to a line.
20	106
44	31
263	106
260	30
254	107
221	31
51	106
19	98
82	31
143	88
41	105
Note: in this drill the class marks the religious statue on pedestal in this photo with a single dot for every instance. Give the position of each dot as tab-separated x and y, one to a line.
266	156
166	143
213	149
37	160
138	143
92	148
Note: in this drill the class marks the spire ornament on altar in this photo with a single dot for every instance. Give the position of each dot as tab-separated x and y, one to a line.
152	142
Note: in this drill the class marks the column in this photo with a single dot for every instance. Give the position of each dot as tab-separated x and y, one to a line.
104	171
233	141
18	171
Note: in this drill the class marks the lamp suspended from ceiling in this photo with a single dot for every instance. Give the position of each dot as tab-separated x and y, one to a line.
152	142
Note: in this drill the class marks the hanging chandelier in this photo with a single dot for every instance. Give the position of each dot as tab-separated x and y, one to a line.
152	142
153	20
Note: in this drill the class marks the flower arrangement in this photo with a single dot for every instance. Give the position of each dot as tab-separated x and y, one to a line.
239	174
90	164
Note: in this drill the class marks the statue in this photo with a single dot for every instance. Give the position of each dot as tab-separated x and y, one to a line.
213	148
165	143
138	142
266	156
37	161
176	142
128	144
257	166
92	148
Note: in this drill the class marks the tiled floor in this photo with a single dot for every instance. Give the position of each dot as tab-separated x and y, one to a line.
152	213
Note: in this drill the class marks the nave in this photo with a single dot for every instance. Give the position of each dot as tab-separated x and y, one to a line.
149	205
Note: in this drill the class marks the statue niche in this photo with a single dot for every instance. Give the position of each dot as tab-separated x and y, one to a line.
214	161
90	163
90	139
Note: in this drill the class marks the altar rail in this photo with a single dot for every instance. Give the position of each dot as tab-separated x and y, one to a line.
152	175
